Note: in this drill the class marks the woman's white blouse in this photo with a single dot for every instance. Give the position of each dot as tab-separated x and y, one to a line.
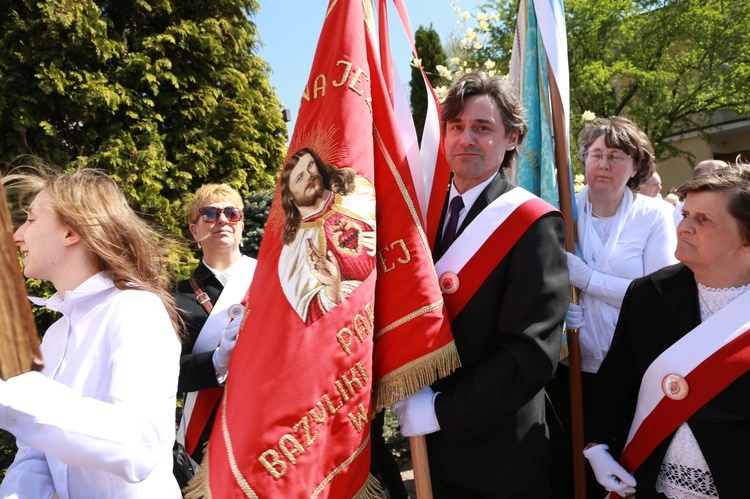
640	239
99	420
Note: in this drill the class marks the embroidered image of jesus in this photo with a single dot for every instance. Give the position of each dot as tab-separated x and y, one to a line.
328	236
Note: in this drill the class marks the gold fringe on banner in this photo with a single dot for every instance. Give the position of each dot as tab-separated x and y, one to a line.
372	489
415	375
197	487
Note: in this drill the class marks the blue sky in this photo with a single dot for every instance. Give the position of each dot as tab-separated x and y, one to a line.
290	29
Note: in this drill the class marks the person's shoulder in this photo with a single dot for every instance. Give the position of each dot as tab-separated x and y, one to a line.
654	210
134	297
183	287
677	272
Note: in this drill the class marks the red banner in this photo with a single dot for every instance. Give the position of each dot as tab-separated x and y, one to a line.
339	322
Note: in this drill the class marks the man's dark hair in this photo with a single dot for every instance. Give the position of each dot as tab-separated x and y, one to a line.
339	181
503	95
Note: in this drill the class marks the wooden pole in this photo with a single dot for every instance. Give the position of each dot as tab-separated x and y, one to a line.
421	466
19	341
574	351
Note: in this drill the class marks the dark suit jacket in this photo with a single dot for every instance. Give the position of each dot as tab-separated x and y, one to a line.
658	310
493	436
196	370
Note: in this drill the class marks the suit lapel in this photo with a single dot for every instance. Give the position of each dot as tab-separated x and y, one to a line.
678	292
437	249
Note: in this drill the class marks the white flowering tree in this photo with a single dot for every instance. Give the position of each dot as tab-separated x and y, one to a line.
467	49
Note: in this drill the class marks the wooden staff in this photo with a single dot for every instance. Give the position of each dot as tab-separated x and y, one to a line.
19	340
574	350
421	466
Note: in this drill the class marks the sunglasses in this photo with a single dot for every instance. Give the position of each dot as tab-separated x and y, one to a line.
211	213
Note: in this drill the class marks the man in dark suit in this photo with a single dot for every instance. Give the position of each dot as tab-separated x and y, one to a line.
485	423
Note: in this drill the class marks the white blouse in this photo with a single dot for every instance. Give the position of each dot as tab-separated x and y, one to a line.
638	240
99	420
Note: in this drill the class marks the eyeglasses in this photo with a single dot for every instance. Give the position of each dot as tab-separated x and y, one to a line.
211	213
613	159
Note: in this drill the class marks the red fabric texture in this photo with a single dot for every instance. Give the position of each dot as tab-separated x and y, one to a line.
205	403
294	420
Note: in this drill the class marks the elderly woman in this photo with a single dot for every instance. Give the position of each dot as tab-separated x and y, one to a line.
621	235
206	303
677	371
98	421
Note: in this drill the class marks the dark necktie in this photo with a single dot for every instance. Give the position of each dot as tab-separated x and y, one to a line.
449	235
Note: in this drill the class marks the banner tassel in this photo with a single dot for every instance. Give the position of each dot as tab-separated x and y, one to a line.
412	377
372	489
197	487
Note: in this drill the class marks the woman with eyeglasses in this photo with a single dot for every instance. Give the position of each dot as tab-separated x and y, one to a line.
621	236
209	307
98	421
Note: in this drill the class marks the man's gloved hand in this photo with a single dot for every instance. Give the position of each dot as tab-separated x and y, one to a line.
224	350
416	414
608	472
574	317
580	273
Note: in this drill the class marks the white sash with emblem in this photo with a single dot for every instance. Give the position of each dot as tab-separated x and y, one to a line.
699	366
484	244
210	335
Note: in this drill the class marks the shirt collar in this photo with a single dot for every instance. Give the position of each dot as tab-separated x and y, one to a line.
469	197
93	285
223	275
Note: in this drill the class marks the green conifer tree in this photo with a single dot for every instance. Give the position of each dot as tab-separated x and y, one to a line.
163	95
431	53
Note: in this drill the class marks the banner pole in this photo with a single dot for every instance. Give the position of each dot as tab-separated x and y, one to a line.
421	467
574	351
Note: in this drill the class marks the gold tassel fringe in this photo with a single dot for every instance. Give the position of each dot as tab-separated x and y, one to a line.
563	349
414	376
198	487
372	489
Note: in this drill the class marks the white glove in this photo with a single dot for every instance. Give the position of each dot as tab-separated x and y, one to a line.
574	317
224	350
608	472
580	273
416	414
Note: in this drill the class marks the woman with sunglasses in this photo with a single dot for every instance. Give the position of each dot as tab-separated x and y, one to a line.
621	236
207	305
98	421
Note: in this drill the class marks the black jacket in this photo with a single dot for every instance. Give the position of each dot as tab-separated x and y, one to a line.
658	310
491	411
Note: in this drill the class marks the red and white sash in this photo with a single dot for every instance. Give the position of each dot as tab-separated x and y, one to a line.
485	242
199	405
709	358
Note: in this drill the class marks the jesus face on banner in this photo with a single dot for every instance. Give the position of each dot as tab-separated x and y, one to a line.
328	236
